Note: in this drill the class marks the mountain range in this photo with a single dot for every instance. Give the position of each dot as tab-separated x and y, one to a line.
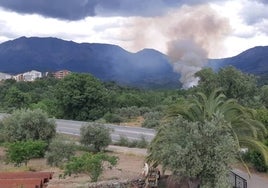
147	68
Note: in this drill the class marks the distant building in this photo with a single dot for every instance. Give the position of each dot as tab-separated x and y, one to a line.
28	76
31	75
61	73
4	76
18	77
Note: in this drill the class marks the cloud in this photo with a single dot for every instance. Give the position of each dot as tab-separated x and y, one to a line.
79	9
254	11
63	9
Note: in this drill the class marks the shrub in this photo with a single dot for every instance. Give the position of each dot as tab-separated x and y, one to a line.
144	110
128	112
59	151
96	136
25	125
113	118
124	141
152	119
256	159
91	164
23	151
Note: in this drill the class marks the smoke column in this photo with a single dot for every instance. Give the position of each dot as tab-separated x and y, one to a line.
188	35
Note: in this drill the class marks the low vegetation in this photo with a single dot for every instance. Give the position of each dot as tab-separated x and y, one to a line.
124	141
89	163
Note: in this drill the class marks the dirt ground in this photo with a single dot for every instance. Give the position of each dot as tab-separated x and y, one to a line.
129	166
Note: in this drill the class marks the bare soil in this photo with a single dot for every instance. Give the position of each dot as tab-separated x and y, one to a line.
129	166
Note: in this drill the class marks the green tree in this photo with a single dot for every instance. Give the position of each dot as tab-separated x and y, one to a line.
208	80
195	151
24	125
96	136
23	151
264	95
59	151
91	164
234	83
16	98
81	97
246	130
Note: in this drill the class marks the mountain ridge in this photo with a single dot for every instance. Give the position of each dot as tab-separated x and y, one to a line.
147	68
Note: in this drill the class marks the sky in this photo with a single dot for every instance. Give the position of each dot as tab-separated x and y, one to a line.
220	28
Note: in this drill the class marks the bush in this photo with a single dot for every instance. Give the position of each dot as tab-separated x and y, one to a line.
128	112
144	110
150	123
96	136
22	152
25	125
113	118
91	164
60	151
124	141
152	119
256	159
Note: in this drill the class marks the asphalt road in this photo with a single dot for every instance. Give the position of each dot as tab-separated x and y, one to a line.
132	133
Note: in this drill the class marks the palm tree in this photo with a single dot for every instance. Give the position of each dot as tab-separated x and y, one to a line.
247	131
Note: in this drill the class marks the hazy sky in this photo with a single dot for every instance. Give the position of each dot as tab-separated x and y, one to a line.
230	26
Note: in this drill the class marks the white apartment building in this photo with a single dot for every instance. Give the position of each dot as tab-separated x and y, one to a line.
31	75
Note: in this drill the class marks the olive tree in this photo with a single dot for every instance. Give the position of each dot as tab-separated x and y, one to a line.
96	136
60	151
26	124
195	151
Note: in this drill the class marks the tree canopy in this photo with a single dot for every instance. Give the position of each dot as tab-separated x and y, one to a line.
234	83
25	124
81	97
195	150
95	135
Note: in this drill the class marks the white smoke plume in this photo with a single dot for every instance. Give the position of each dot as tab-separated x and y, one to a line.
188	35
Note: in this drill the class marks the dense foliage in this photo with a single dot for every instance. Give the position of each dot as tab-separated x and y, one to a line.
81	97
234	83
195	150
